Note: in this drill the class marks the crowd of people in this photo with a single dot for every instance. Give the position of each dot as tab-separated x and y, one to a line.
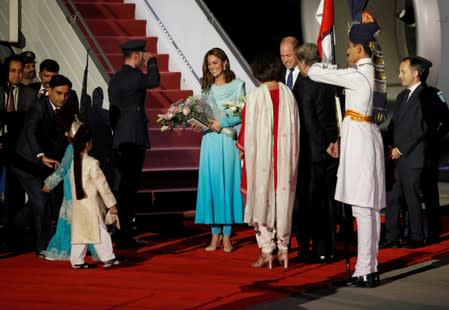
286	163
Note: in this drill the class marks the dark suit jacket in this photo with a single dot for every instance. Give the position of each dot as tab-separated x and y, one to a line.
13	122
318	117
127	93
407	130
26	96
41	134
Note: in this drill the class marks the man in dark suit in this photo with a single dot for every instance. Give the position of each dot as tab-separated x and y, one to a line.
407	140
436	115
320	129
40	147
127	94
15	100
301	212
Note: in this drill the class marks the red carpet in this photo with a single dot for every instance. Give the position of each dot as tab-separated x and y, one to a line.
176	273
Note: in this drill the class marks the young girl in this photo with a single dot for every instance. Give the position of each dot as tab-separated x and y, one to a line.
60	244
89	187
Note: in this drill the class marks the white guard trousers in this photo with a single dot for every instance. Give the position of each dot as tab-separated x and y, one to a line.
104	248
368	234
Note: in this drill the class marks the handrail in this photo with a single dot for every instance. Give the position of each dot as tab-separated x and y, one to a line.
72	19
222	33
214	22
179	51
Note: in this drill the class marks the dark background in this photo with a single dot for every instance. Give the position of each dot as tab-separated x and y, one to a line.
255	26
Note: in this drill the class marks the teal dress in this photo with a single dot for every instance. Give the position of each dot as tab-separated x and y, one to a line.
60	244
219	201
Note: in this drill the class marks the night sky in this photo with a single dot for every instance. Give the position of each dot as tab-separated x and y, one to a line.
255	26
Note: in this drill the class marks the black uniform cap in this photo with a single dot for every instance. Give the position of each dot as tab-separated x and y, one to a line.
28	57
363	33
133	45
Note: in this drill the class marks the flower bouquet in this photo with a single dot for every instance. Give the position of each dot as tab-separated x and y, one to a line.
185	113
235	107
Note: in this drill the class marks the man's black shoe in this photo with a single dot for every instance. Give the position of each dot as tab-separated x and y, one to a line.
41	254
131	244
369	280
432	240
389	244
414	244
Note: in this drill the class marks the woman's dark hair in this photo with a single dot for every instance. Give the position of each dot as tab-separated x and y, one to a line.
207	80
266	66
79	141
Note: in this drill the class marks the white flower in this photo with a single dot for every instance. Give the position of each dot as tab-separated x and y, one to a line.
186	111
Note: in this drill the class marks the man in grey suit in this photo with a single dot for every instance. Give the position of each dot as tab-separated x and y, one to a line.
127	94
407	133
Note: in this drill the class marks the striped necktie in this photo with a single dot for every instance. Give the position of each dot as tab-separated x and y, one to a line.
10	103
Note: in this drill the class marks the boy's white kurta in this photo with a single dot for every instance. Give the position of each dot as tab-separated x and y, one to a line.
264	205
88	213
361	172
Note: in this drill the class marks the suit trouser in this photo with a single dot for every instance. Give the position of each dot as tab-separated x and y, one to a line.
431	196
368	234
266	240
407	185
40	203
130	162
104	248
323	209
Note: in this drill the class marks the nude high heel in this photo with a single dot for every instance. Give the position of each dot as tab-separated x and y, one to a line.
215	243
283	258
263	260
227	246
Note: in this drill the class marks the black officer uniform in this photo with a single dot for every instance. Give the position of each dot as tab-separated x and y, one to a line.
436	114
127	94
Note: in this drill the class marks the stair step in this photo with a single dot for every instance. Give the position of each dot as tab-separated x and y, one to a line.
117	61
169	181
119	27
107	10
111	44
162	99
160	159
174	138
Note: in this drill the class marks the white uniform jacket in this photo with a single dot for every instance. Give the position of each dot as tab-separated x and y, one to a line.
361	173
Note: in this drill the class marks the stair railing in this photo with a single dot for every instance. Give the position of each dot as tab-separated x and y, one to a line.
221	32
230	44
77	21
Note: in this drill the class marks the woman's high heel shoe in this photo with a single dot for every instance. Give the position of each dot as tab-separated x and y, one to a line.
227	246
283	258
215	243
263	260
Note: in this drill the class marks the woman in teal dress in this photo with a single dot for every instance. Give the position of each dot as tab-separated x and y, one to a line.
60	244
219	201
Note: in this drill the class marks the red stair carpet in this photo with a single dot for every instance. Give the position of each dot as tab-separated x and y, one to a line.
174	155
174	272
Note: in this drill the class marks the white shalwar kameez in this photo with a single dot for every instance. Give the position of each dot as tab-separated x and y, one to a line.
361	172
